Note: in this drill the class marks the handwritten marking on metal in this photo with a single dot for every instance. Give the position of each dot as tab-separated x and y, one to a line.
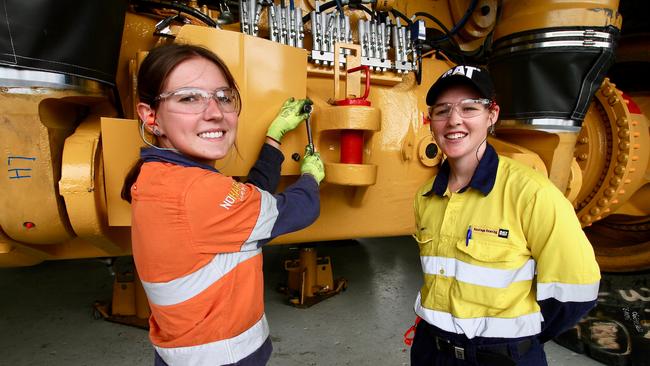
19	173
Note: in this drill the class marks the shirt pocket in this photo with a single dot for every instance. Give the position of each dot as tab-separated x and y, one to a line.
492	251
487	269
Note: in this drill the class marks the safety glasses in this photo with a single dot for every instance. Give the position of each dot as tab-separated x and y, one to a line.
196	100
466	108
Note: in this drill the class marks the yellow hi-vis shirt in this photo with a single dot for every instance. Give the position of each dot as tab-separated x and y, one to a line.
489	255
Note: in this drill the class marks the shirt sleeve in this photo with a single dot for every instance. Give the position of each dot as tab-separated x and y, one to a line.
568	276
224	215
298	207
265	174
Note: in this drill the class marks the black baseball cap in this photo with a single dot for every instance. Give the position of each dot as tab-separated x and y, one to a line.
475	76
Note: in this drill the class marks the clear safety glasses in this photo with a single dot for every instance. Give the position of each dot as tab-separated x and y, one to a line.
466	108
195	100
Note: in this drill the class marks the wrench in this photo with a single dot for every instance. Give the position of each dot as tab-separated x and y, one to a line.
307	108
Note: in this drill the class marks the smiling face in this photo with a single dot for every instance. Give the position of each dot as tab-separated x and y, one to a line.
459	138
205	136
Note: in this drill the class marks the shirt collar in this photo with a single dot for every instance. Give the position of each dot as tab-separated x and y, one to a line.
150	154
483	179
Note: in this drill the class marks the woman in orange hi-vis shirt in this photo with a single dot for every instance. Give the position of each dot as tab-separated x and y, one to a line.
196	233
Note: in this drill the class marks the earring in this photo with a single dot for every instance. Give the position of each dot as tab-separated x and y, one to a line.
491	129
156	131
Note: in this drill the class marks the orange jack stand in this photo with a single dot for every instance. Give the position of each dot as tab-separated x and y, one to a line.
310	279
129	305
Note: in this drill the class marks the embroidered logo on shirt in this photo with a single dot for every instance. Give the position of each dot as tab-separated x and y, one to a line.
237	193
501	233
485	230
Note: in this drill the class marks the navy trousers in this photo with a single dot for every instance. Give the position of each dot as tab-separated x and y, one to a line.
257	358
425	352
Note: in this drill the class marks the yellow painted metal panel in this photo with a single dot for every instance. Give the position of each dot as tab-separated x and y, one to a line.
121	148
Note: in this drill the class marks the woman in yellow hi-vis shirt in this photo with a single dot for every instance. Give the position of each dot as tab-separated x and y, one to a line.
506	264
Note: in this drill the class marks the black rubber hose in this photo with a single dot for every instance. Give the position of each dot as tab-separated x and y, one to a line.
322	8
396	13
442	26
175	5
370	12
458	26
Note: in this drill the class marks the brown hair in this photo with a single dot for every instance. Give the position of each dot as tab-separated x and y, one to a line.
153	74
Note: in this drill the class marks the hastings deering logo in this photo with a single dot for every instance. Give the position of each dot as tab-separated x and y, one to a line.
501	233
236	193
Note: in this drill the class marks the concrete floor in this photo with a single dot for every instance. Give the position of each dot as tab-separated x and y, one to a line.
46	315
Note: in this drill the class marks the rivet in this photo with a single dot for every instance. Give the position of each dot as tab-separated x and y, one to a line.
623	132
612	100
603	202
619	170
594	211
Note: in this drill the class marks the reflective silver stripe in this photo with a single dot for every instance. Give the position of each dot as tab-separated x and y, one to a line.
265	221
477	275
521	326
567	292
186	287
551	44
14	77
221	352
543	124
587	33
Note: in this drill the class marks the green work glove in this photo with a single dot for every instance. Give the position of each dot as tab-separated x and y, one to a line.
290	116
312	164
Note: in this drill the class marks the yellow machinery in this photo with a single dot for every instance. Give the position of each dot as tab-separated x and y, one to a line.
68	133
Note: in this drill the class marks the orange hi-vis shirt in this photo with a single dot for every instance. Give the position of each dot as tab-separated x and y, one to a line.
197	237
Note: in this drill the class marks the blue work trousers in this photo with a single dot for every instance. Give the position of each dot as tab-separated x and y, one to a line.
427	350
